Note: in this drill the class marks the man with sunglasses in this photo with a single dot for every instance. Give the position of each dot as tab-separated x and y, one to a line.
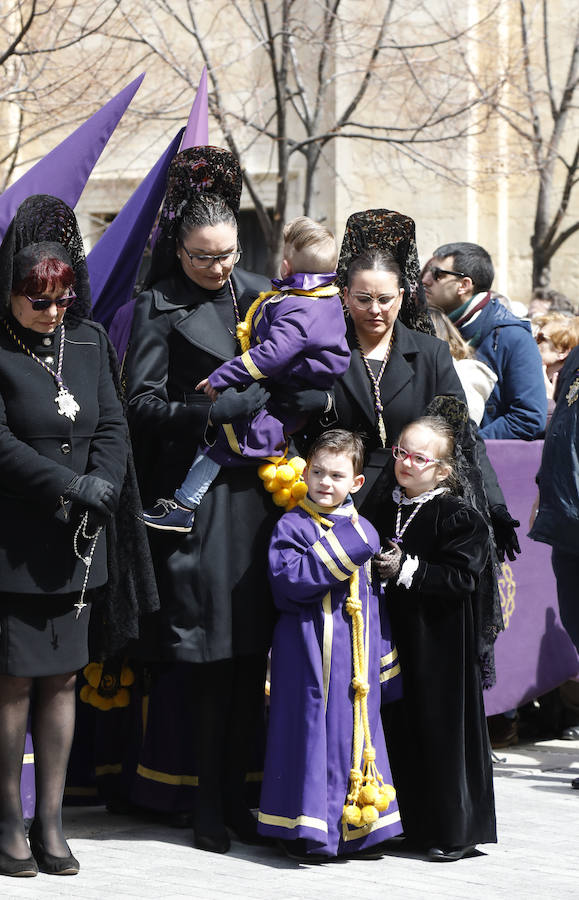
457	280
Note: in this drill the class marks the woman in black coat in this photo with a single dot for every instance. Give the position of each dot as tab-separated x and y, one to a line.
63	456
216	612
397	373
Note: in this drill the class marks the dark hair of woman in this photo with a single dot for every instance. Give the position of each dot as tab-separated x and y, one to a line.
204	210
46	275
376	260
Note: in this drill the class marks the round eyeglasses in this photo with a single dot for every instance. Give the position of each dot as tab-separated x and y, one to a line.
418	460
205	260
40	303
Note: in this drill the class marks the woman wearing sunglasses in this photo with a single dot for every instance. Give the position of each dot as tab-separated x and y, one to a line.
63	456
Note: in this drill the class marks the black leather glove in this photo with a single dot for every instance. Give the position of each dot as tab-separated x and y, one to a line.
386	564
307	402
92	492
504	529
232	404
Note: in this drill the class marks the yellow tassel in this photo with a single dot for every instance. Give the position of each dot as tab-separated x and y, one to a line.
368	795
267	471
299	490
369	814
286	474
298	464
352	815
282	497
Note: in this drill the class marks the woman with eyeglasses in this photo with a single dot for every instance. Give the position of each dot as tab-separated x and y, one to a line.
216	611
63	458
397	367
398	373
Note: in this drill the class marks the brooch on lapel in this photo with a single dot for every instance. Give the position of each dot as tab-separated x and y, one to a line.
573	392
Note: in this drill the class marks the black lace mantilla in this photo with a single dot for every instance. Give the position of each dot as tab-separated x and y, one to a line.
44	218
198	170
391	232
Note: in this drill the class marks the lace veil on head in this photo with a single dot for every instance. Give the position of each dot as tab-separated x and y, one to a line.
42	219
394	233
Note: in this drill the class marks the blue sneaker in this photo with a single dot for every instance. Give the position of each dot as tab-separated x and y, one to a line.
167	515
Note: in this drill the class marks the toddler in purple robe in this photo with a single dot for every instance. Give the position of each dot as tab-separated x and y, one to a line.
327	788
294	335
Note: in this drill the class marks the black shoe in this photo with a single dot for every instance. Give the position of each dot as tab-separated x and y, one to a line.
18	868
297	850
453	854
571	733
575	784
244	825
50	864
212	841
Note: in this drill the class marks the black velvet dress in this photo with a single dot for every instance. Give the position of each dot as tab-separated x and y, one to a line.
437	735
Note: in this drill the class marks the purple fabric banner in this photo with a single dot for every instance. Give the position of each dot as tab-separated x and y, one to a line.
113	263
64	171
534	654
197	130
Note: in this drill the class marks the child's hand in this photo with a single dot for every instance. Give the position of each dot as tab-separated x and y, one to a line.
207	389
386	564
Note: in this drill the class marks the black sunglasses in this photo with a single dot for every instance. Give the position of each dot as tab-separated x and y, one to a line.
41	303
437	273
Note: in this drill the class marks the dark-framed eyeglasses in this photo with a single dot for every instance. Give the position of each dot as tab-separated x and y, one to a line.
366	301
40	303
418	460
205	260
437	273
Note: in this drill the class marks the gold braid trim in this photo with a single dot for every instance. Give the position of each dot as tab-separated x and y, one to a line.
368	795
243	330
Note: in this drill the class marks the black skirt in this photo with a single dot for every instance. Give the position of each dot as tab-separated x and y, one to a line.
41	635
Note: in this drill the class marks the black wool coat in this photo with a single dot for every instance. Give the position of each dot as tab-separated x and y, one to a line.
437	734
213	584
41	451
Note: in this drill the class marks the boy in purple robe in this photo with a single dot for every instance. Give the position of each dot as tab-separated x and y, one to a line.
294	335
327	787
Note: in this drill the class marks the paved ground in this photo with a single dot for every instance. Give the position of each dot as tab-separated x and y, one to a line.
537	855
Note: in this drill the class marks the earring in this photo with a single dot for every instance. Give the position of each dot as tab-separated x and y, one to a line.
346	311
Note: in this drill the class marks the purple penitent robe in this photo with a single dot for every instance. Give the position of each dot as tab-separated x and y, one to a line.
310	737
297	342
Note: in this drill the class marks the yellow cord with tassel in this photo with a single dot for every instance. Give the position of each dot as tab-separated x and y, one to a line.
368	795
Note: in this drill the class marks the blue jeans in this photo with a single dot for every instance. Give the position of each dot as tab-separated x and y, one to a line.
566	569
197	481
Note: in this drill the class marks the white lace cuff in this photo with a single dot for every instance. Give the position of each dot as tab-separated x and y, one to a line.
409	567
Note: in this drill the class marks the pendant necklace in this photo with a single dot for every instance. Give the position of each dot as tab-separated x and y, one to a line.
67	405
375	383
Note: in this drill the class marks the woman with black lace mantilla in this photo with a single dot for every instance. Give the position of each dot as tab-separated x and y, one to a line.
216	611
63	459
399	372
